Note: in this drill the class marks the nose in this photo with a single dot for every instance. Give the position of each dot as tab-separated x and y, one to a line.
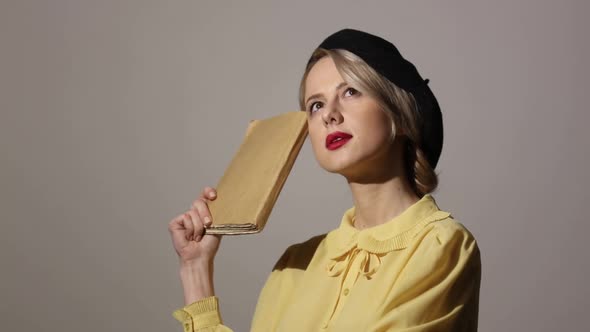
332	114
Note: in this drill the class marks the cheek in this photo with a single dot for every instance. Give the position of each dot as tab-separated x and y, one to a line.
316	138
381	124
317	143
373	127
374	138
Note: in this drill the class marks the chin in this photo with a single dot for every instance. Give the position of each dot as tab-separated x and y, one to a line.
340	162
336	166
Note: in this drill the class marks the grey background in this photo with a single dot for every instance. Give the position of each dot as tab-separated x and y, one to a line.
114	115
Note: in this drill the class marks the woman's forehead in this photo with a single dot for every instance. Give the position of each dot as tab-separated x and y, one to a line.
323	76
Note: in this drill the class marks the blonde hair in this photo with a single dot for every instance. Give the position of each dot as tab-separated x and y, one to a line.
399	105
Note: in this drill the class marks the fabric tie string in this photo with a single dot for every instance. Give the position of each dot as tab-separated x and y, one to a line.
368	263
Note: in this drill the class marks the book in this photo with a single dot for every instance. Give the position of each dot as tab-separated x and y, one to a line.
251	184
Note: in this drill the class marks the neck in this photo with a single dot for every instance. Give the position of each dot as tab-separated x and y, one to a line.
377	203
381	193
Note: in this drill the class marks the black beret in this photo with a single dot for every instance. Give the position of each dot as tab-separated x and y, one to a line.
385	58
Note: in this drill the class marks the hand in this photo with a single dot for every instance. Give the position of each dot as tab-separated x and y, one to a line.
188	228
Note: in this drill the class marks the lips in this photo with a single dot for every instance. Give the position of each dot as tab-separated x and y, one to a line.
337	139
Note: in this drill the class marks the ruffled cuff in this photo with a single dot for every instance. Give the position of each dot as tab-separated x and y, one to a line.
199	315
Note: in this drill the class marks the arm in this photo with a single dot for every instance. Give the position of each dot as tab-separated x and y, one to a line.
196	251
197	281
438	289
203	314
201	310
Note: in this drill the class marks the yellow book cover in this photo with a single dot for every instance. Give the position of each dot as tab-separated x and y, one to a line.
254	178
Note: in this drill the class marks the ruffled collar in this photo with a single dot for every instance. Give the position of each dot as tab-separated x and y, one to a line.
368	245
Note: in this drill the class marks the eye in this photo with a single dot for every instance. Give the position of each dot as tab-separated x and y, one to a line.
350	92
313	107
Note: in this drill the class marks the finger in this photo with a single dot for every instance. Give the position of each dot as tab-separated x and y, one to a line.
189	224
177	229
181	225
204	213
198	225
176	223
208	193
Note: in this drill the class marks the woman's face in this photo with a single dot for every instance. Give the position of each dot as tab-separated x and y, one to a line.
332	106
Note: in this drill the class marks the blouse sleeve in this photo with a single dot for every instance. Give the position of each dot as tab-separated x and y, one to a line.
278	289
273	300
438	289
202	316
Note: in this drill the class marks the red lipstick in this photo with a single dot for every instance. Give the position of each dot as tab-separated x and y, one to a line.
337	139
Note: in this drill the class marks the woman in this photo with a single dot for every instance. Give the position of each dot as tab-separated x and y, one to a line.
396	262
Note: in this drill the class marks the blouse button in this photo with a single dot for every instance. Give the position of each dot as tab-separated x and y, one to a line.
345	291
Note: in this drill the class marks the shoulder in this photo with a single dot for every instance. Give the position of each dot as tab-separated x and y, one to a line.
445	247
448	238
449	229
300	254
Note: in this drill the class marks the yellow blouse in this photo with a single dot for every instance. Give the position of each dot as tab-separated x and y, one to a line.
419	271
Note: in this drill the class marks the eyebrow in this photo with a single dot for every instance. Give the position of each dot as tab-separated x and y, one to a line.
319	94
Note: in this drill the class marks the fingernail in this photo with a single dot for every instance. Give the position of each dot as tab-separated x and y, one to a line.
211	194
207	221
198	238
